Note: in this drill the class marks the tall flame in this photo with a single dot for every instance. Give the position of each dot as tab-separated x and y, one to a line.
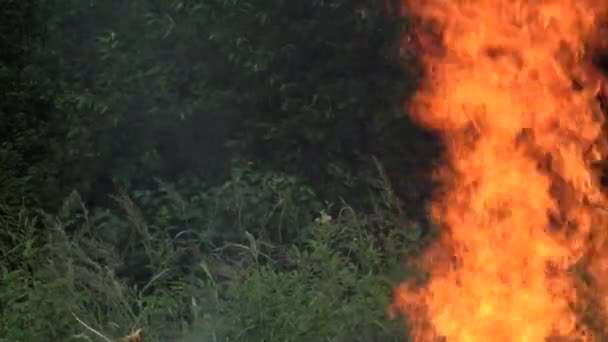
510	87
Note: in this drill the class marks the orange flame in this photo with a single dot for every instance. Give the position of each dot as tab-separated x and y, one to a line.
511	88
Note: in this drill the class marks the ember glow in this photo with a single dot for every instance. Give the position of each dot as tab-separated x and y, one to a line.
511	87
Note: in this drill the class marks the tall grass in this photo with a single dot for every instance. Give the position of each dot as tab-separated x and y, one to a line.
192	263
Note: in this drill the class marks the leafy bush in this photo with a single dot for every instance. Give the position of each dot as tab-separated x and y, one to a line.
155	265
108	97
326	291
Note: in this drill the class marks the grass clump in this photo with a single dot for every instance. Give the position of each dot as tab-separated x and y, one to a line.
177	263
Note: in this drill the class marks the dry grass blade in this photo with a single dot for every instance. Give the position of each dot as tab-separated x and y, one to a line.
89	328
136	336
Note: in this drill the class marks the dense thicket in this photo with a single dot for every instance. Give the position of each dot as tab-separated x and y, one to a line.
219	169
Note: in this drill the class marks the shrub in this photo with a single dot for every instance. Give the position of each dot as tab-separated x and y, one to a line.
160	261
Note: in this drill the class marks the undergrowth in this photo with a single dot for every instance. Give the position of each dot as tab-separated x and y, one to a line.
187	262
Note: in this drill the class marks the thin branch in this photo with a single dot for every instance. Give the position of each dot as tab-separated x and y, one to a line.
91	329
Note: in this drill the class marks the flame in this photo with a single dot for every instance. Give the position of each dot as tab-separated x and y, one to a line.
511	87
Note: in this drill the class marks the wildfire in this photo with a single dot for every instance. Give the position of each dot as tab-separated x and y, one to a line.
511	87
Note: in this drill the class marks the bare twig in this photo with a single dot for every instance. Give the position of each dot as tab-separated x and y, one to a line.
89	328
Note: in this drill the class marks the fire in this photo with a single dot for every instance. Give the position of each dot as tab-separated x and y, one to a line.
511	87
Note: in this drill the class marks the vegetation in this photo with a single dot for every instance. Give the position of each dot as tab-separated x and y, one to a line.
216	170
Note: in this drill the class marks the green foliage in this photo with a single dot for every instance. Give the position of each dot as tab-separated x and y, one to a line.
318	83
72	287
275	206
79	279
29	305
321	292
179	88
206	151
23	105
